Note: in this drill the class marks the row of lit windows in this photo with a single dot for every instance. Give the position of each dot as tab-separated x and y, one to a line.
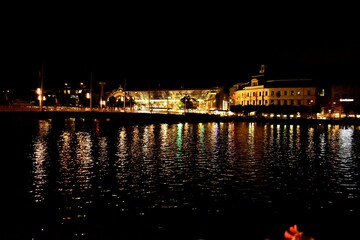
273	93
277	102
73	91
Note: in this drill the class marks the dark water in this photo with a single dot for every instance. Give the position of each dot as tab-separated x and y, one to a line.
91	179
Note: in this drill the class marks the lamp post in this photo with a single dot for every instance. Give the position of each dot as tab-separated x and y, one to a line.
124	95
41	87
101	93
91	91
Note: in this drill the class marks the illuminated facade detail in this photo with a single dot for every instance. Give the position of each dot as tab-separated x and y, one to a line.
262	95
275	95
262	69
192	100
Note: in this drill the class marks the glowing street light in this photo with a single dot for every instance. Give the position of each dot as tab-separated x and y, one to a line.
41	89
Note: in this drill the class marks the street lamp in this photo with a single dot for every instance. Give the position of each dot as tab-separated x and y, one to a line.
90	94
101	93
41	89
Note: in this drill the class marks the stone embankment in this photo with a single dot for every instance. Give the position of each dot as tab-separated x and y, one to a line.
147	117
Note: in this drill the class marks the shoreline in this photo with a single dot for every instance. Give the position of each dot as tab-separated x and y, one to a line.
141	117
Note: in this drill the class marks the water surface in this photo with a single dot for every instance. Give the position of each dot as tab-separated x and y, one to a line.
96	179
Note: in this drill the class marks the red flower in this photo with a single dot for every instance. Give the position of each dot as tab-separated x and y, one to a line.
293	233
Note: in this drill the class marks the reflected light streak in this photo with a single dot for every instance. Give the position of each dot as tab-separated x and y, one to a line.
250	139
122	144
148	140
310	148
39	169
213	137
165	140
39	161
136	142
201	135
76	173
84	160
347	163
66	183
103	155
179	137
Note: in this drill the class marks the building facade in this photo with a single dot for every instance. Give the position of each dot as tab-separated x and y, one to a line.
171	100
293	97
344	100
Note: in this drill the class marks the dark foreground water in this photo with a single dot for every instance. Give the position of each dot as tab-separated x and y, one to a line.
92	179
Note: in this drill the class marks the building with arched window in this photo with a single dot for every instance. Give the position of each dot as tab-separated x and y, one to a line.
272	98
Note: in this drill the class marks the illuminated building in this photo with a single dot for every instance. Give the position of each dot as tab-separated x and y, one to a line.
286	98
171	100
345	100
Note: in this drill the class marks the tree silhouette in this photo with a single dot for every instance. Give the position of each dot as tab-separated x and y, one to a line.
189	102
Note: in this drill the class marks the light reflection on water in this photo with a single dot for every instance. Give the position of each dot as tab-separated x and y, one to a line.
40	161
87	171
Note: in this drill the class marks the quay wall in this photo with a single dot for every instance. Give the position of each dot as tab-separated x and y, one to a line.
138	118
121	117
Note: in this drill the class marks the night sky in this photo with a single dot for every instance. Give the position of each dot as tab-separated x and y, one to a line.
175	46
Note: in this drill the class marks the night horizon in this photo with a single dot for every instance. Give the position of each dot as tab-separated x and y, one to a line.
25	74
151	48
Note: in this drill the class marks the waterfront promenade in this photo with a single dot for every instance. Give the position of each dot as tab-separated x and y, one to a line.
133	117
107	113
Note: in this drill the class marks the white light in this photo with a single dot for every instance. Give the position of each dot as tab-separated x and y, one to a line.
346	100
